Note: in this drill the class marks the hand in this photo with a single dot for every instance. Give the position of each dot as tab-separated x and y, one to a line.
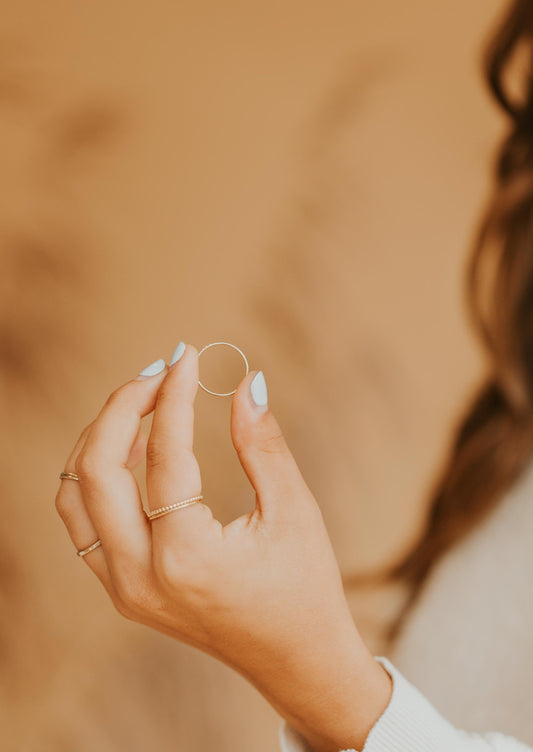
263	593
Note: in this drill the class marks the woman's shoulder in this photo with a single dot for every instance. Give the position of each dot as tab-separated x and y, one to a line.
477	603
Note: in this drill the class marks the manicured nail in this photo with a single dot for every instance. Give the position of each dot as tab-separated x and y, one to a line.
154	368
258	389
178	352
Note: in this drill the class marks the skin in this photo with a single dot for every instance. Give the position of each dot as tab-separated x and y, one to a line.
263	594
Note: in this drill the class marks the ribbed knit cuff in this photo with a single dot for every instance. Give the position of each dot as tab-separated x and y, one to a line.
409	723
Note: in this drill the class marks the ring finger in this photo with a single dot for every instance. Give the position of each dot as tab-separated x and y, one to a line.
71	508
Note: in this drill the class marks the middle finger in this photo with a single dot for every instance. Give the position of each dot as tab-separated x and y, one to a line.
109	488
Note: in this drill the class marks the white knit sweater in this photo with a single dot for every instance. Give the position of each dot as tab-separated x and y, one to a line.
411	724
467	647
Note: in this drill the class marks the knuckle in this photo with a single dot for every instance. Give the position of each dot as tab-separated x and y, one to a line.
167	570
206	511
272	444
156	456
240	445
244	441
123	608
166	392
176	574
116	396
85	432
87	464
129	594
121	397
60	504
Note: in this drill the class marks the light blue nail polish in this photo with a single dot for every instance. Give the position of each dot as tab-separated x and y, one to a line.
258	389
178	352
154	368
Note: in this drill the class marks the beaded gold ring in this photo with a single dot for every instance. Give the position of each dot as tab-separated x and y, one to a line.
161	511
92	547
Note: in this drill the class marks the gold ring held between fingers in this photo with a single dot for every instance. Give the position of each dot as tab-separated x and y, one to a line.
243	356
85	551
172	507
68	476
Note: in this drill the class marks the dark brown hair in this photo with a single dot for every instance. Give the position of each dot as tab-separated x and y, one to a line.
494	440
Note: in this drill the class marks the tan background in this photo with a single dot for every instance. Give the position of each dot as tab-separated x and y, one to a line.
300	179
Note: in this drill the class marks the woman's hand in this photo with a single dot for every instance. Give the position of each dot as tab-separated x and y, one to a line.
263	594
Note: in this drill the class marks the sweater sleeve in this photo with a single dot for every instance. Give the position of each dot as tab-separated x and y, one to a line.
411	724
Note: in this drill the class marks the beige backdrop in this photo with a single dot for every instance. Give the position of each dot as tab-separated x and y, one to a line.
299	178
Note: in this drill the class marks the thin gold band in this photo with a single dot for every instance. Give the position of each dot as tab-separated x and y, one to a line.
243	356
172	507
85	551
68	476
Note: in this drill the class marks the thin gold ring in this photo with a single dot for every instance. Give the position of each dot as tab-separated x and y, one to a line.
85	551
68	476
172	507
243	356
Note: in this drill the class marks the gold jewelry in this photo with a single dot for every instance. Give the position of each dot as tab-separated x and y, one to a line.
69	476
243	356
172	507
85	551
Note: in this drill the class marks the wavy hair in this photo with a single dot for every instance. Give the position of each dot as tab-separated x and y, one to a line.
493	442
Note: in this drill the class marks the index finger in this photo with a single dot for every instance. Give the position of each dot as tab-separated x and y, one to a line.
172	471
109	488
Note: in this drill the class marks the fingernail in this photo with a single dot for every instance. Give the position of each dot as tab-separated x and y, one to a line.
154	368
178	352
258	389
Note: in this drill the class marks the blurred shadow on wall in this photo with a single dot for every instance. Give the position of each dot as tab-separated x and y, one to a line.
304	257
307	308
46	281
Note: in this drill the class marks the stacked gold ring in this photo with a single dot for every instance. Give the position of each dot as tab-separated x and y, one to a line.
84	551
90	548
68	476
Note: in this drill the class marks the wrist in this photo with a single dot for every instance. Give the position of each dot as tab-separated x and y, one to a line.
347	718
336	697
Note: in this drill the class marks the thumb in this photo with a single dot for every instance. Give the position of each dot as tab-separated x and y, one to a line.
263	451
